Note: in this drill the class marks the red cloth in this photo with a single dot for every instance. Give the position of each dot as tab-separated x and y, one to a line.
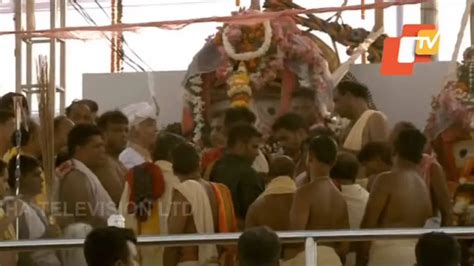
157	188
211	155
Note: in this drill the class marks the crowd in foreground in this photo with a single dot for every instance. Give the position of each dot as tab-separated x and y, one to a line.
258	246
302	176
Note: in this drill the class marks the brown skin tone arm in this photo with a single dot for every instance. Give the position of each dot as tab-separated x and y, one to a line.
251	219
299	213
78	197
342	248
440	193
180	211
377	127
375	206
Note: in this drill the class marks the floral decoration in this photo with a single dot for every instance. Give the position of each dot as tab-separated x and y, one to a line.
193	97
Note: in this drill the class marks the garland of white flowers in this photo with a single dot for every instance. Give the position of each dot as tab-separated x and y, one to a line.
193	96
267	42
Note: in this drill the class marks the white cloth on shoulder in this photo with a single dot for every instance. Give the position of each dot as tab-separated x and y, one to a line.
325	256
197	196
353	140
103	206
75	257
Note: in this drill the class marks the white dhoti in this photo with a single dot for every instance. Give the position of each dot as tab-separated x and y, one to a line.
392	252
75	257
197	196
325	256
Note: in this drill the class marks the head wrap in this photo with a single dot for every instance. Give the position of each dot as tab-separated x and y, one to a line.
139	112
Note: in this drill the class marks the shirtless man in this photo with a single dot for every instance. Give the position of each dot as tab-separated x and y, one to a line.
194	210
351	102
318	205
433	174
272	208
375	158
399	199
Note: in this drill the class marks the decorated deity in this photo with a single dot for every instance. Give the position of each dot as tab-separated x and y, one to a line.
260	65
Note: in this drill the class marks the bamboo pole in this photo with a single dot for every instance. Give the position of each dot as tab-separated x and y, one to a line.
429	15
379	15
472	26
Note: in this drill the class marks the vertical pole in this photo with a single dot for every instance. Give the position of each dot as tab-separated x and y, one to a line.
472	26
30	24
52	50
310	252
379	15
62	64
399	20
429	15
18	42
114	48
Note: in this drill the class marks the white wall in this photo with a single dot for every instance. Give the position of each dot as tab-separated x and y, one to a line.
401	98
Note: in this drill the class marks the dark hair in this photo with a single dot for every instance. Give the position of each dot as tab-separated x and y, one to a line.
165	144
346	167
105	246
259	246
93	106
376	149
324	148
6	115
186	159
304	93
289	121
76	103
174	128
241	133
27	164
236	115
410	145
437	249
321	130
111	117
6	102
356	89
81	135
26	134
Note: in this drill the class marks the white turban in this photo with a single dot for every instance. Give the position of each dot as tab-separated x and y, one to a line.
139	112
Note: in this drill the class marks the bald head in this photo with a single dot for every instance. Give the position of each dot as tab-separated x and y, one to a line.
281	165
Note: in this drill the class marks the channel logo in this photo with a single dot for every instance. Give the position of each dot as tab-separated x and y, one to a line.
417	44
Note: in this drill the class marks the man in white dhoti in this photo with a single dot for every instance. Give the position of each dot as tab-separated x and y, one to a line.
34	223
156	222
351	101
194	210
398	199
344	173
142	120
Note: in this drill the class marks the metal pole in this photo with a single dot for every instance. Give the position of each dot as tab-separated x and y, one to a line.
310	252
52	51
18	51
62	64
230	238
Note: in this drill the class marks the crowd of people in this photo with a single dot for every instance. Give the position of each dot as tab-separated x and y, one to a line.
302	176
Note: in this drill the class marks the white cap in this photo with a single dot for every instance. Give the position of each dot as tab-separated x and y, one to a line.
139	112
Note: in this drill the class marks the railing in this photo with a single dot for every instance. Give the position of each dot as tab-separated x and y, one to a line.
311	238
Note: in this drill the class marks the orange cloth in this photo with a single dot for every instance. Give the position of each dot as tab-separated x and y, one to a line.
209	157
227	222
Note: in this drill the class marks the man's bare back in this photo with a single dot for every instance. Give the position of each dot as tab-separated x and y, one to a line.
318	205
398	199
272	211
